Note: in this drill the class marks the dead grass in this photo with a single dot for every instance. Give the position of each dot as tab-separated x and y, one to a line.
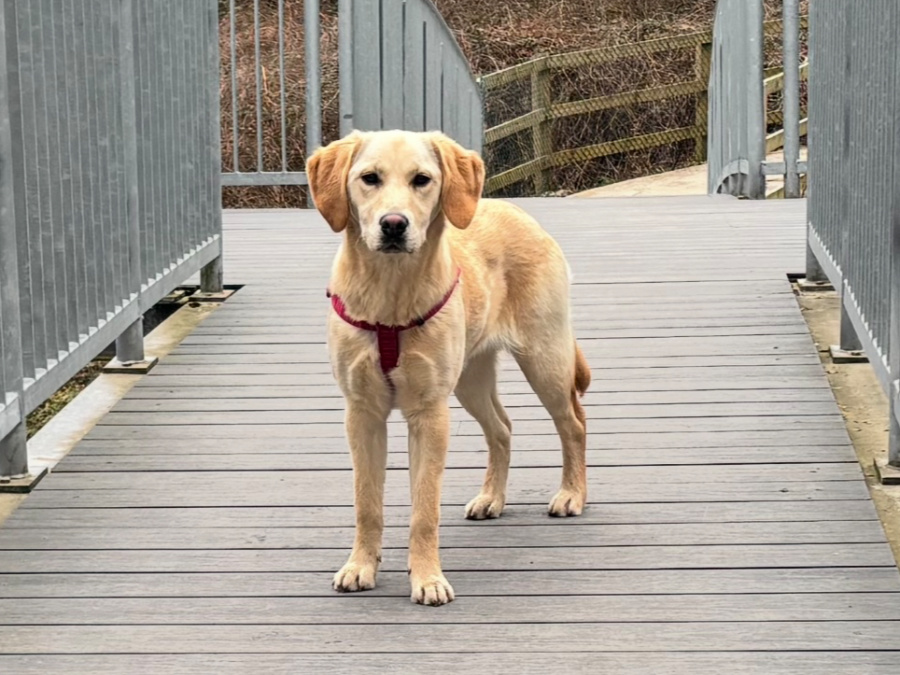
63	396
493	35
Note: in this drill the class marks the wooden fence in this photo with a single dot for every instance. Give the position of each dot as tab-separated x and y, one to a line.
544	109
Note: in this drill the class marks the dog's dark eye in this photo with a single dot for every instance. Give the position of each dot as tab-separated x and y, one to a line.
421	180
371	179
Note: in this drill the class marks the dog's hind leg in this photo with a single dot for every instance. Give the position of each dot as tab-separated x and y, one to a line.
559	374
477	392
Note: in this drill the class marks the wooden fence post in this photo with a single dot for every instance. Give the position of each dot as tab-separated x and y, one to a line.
541	131
702	67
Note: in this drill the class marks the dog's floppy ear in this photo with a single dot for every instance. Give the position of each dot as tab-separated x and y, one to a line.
463	179
326	171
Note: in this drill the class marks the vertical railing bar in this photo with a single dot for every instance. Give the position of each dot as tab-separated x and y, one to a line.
205	202
43	165
281	78
211	132
66	216
258	69
29	325
13	450
148	240
156	214
130	344
313	76
82	312
165	67
102	26
49	203
118	243
189	37
152	202
193	57
234	91
424	76
97	179
94	234
179	109
345	66
211	275
791	97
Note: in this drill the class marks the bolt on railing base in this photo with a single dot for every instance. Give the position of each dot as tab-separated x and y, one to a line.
888	474
21	484
142	367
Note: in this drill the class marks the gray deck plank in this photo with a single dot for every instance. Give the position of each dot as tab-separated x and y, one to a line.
633	584
267	459
633	663
524	638
30	516
669	534
481	559
490	610
729	528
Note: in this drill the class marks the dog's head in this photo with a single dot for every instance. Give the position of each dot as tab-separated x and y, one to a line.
394	185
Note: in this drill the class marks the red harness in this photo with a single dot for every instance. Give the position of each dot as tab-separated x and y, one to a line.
389	336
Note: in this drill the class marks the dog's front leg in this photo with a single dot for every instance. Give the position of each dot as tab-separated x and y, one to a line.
367	435
429	436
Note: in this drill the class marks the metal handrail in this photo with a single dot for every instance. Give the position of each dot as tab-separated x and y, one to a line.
109	184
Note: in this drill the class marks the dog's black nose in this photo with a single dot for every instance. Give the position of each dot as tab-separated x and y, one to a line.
393	226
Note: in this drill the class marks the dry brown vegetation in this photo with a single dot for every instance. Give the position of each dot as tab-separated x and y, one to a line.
493	35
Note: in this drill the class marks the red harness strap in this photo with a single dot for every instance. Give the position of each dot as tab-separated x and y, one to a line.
389	336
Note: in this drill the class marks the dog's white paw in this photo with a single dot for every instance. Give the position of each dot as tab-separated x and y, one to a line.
485	506
566	503
354	577
433	589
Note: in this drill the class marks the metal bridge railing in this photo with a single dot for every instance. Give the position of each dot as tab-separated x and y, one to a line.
236	172
109	184
738	116
401	68
854	181
854	167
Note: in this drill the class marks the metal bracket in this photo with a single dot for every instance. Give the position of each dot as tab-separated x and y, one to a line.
888	474
21	484
222	296
116	367
779	168
839	355
805	286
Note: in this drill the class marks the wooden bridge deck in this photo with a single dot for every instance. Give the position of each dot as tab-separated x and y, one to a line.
196	529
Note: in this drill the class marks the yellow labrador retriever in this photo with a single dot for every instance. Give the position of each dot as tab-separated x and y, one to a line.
428	285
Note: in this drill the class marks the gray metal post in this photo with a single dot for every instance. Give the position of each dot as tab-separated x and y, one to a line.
313	76
814	271
13	456
130	344
211	277
345	65
13	450
894	341
850	341
791	98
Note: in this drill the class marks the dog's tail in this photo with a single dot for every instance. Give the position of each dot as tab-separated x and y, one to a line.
582	372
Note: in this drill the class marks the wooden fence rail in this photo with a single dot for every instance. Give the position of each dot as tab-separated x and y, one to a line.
544	110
